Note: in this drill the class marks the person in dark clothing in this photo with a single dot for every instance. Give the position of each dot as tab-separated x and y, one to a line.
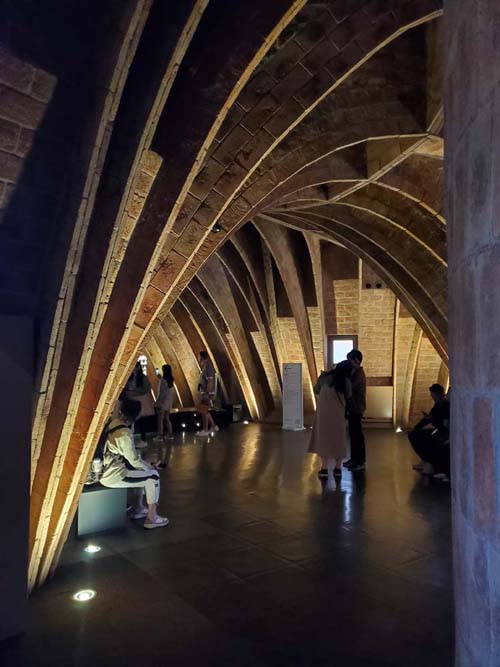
355	409
138	388
430	438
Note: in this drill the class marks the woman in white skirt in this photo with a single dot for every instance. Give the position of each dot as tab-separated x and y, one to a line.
164	401
329	434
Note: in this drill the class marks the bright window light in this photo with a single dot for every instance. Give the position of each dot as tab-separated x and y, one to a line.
92	548
84	596
341	348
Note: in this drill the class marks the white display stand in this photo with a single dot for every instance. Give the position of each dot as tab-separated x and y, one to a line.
293	404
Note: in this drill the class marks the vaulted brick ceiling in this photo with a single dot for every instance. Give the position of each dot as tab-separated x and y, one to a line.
324	118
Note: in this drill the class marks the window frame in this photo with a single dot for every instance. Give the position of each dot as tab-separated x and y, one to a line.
330	340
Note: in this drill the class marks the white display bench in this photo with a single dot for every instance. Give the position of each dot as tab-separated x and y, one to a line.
101	508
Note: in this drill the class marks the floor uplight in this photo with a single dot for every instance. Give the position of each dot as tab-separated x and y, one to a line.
245	422
399	429
198	424
92	548
183	425
84	596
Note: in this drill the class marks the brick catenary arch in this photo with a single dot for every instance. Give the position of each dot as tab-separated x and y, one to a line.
336	96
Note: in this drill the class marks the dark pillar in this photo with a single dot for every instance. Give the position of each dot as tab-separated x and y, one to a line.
472	147
16	362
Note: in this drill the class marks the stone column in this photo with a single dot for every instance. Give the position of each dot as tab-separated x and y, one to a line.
472	141
16	362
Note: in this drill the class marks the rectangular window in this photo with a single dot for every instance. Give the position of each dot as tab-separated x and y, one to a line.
339	346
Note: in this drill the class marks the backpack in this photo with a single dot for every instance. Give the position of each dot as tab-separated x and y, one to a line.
95	471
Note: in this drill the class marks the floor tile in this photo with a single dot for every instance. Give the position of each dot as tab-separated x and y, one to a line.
262	566
250	561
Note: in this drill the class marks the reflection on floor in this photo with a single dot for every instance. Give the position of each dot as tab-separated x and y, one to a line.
262	565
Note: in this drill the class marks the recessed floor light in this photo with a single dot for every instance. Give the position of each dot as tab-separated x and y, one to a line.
92	548
84	596
245	422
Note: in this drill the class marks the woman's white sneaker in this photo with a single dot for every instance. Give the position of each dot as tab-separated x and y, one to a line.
157	522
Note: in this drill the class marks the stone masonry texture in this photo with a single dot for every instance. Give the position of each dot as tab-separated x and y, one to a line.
472	135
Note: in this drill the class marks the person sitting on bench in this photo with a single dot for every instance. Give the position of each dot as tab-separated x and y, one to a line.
123	467
431	436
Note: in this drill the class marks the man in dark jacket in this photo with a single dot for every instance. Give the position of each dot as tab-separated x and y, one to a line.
431	436
355	409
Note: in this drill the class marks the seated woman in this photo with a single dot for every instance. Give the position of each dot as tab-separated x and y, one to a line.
123	467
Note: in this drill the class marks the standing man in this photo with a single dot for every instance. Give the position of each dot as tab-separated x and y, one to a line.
355	409
206	389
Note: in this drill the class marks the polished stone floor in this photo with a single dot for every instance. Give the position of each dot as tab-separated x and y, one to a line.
261	565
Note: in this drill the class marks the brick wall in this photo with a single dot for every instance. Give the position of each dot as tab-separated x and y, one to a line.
403	370
340	280
376	331
426	373
345	297
25	92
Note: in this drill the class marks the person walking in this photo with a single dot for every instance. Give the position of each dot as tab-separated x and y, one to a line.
329	432
206	389
123	466
164	401
356	407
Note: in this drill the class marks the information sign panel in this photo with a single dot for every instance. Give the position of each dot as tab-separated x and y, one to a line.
293	405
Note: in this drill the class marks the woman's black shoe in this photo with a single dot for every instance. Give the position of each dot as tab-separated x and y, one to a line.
337	472
323	472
